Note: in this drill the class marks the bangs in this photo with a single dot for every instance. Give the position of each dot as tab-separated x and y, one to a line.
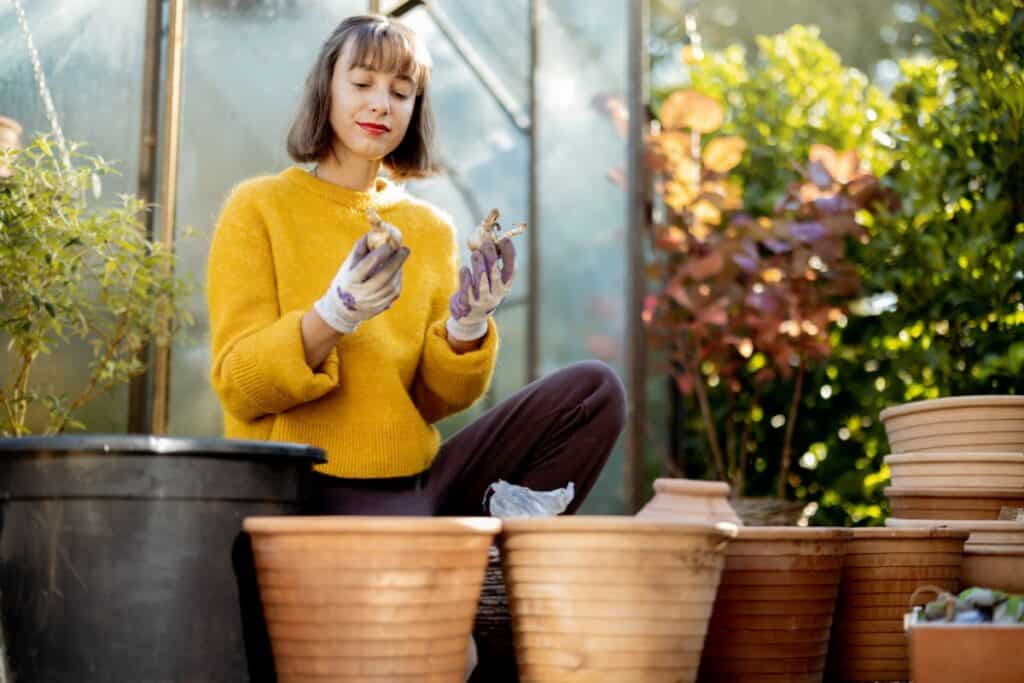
388	49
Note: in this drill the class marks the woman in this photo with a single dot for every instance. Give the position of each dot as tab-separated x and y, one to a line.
360	354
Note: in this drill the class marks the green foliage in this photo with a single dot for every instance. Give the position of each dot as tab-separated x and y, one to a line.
794	93
71	271
951	261
943	274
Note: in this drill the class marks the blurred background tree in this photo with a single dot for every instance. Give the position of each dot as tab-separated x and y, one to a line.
941	311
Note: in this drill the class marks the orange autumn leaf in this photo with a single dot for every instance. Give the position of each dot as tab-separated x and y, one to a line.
723	154
690	109
705	267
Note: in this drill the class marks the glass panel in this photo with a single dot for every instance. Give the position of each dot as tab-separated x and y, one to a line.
869	41
499	32
245	64
582	213
237	54
91	53
488	167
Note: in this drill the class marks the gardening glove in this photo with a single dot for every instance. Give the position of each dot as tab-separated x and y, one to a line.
483	285
367	283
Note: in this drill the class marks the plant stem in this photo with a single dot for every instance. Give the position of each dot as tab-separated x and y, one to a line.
730	436
787	445
21	392
709	422
739	481
90	387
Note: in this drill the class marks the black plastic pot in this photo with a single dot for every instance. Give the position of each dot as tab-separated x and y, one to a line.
118	555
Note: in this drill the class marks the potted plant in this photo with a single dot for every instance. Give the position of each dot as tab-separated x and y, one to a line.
113	544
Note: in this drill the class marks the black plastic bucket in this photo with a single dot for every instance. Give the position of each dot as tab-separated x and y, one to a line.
118	555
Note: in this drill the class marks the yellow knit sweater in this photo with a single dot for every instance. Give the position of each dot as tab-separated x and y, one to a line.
373	401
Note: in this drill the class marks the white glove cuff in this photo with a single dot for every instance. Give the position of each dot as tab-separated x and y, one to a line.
460	331
325	309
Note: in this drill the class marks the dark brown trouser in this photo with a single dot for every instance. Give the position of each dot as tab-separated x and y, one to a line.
558	429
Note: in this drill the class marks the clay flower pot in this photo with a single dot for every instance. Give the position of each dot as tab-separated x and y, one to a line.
974	423
882	569
951	503
688	499
773	613
10	138
957	470
611	599
993	554
370	598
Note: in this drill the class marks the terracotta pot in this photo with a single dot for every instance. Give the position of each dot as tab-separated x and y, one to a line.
993	554
778	589
954	653
370	598
957	470
609	599
995	442
10	138
964	421
687	499
860	650
948	503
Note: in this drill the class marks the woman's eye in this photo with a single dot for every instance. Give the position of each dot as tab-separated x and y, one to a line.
401	96
361	85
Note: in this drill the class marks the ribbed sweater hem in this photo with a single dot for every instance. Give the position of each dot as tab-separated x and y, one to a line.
366	451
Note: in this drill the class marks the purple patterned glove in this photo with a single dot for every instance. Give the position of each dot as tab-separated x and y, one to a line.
366	285
483	285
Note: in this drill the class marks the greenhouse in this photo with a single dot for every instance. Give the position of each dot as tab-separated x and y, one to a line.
548	340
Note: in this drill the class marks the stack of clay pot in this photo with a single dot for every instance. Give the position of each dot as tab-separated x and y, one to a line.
773	612
882	570
956	458
959	462
611	599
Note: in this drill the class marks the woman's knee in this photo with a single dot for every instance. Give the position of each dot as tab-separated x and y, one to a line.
603	391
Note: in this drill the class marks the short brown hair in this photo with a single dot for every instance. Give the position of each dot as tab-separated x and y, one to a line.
382	44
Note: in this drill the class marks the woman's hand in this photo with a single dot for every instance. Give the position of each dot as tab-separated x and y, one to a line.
483	285
366	285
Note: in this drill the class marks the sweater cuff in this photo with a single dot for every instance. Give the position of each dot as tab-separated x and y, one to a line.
270	367
458	378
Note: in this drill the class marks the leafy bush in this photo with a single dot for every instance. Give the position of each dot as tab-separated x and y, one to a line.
943	275
69	270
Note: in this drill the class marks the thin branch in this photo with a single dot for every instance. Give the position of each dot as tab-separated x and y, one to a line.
787	446
741	469
730	436
120	333
709	422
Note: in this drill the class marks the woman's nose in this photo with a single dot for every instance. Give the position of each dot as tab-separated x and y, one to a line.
380	104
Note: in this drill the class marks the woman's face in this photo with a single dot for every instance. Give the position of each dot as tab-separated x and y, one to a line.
370	110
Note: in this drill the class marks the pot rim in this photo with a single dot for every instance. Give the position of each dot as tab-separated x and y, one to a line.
794	533
973	401
988	525
694	487
371	524
928	492
971	456
615	524
134	444
907	533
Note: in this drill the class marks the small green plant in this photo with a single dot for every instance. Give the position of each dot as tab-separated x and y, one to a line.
71	269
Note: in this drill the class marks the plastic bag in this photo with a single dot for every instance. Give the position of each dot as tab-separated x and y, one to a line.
509	500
